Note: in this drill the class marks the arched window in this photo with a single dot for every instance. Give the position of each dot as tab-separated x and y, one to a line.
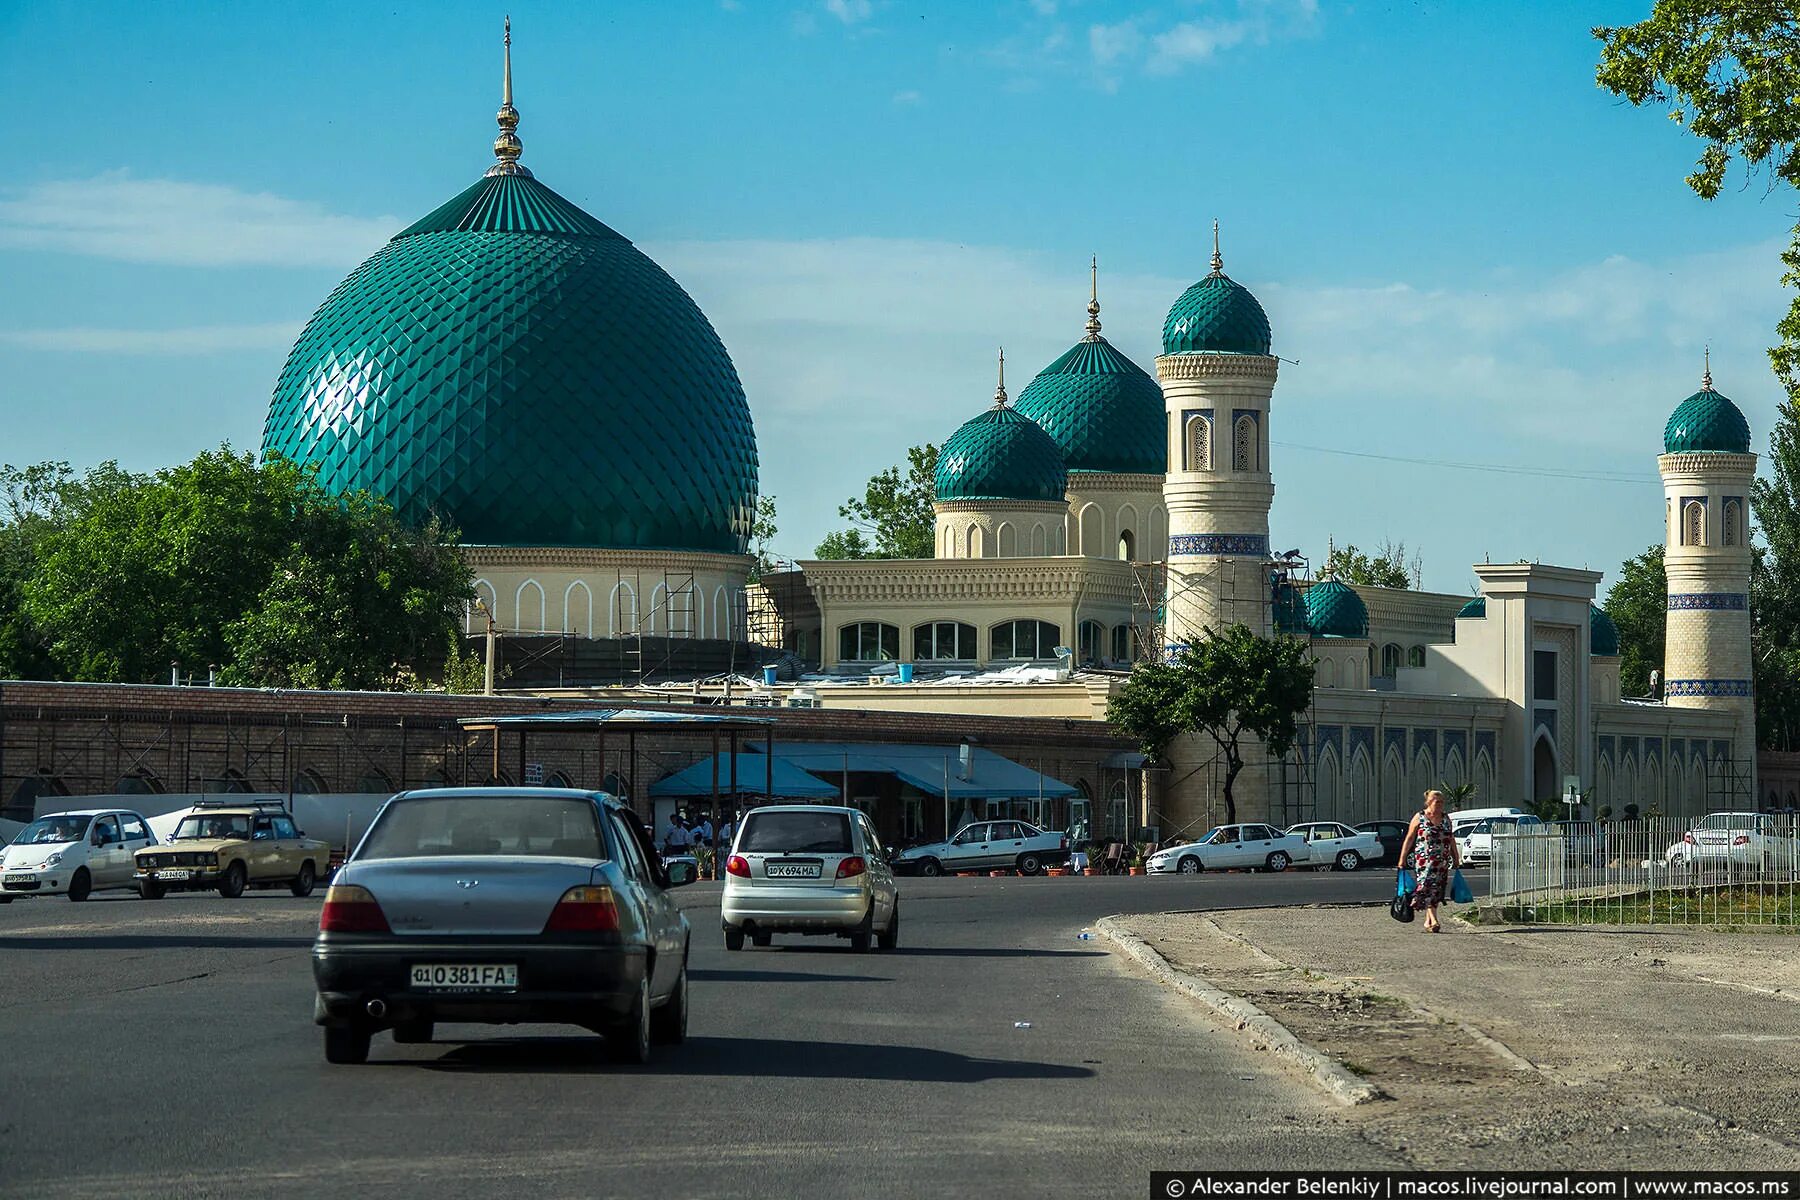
1127	546
1024	640
1484	778
1360	796
375	780
869	641
1243	444
616	784
1040	542
308	782
1093	532
1394	800
1090	645
944	639
229	780
141	782
578	611
1009	540
484	592
558	779
1061	540
972	542
23	805
1454	775
1693	523
1326	675
1728	532
1325	789
528	606
1197	445
1390	660
1424	776
1415	656
622	604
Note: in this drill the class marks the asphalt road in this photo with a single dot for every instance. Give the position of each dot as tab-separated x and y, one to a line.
167	1048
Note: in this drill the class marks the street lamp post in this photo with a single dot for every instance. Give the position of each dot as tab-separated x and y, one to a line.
487	674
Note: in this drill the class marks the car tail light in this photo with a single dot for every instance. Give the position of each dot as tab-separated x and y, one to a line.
851	867
351	909
1742	839
738	865
584	910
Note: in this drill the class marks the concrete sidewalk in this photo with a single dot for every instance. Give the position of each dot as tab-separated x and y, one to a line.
1529	1047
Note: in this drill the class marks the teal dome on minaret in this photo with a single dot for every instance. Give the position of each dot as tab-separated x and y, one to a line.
1706	423
1001	455
1102	409
1333	609
1216	316
514	366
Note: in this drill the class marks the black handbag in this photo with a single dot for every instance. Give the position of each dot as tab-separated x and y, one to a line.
1400	908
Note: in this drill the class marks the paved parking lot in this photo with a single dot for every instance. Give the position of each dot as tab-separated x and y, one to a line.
168	1047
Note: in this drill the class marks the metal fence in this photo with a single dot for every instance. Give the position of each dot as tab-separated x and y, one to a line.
1722	869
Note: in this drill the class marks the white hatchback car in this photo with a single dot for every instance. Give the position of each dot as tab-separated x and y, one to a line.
809	869
74	854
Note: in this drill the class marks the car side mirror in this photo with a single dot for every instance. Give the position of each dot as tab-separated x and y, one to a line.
680	873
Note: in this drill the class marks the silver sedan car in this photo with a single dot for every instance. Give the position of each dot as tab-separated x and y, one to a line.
809	869
501	906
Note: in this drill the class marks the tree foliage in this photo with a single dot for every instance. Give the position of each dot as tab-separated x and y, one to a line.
1638	603
893	518
762	532
1388	567
1775	589
255	569
1231	686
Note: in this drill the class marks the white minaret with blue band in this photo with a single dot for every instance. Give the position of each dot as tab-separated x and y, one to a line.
1706	471
1217	376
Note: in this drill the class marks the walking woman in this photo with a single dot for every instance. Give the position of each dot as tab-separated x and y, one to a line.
1432	853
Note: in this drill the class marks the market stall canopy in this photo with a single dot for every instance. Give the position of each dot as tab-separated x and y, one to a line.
938	770
753	770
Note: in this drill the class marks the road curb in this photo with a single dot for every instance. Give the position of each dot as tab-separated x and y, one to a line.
1331	1076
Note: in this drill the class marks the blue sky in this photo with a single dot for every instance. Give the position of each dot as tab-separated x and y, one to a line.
1471	253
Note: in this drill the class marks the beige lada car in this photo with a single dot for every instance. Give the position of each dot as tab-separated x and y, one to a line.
227	847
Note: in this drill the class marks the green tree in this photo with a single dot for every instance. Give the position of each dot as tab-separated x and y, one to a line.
1388	567
1638	603
762	532
1232	686
1775	589
893	518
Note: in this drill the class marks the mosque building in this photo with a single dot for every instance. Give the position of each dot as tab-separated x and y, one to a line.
514	367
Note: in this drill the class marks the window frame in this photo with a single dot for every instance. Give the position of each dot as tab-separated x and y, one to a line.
855	630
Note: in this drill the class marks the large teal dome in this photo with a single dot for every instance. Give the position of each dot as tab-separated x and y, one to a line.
1216	316
515	366
1333	609
1103	410
1001	455
1706	422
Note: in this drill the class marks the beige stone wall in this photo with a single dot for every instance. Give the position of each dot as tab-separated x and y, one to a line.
1000	529
1104	507
609	593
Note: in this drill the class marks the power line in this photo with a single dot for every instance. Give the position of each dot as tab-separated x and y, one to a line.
1490	468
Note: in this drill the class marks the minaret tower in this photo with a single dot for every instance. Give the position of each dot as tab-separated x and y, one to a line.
1706	471
1217	375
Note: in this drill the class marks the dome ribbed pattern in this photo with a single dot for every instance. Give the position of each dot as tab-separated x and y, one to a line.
1706	422
1216	316
1334	609
1101	408
1603	635
1474	608
1001	455
517	367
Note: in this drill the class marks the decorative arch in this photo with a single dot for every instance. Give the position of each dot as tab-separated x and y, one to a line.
558	779
374	780
1603	786
1693	523
1328	779
1483	778
1060	534
1455	774
484	591
229	780
308	782
1424	774
1327	674
1196	444
572	623
1546	779
1360	794
1696	787
1040	541
721	618
1354	670
1008	539
1243	443
1393	783
943	541
656	615
140	782
622	613
1653	784
1092	532
972	547
521	599
1731	523
1127	540
1158	549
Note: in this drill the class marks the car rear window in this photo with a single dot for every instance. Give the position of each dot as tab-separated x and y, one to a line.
461	826
796	832
1727	821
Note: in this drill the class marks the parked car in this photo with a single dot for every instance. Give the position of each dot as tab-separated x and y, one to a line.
1474	816
809	869
497	906
1331	846
988	846
74	854
227	846
1254	847
1475	842
1392	835
1739	839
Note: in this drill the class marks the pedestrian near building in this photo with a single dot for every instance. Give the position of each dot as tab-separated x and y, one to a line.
1431	850
676	838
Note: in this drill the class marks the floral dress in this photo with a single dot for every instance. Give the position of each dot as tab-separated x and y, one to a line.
1431	863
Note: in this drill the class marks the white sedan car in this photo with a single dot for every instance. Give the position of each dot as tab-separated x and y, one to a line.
1737	839
1475	843
1331	846
1249	847
74	854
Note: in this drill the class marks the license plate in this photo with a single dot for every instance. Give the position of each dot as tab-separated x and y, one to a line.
12	879
792	870
174	875
465	977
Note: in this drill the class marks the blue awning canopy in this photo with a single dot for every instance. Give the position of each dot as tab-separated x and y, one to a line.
790	782
934	769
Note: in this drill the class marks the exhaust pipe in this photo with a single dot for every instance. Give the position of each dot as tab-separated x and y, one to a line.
377	1008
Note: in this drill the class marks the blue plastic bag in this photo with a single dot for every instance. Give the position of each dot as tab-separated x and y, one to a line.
1404	883
1459	889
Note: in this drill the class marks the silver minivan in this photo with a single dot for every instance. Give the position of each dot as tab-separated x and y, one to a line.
809	869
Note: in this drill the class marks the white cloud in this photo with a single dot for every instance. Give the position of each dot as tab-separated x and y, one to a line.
850	12
1151	42
1192	42
908	97
1111	43
172	222
194	340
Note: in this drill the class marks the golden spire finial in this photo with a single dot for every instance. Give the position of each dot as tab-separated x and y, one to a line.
1000	391
1706	375
1218	264
1093	321
507	146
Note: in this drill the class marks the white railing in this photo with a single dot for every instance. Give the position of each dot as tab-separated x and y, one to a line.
1723	869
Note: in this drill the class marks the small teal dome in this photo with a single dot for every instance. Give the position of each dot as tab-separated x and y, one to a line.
1103	410
1216	316
1001	455
1603	635
1706	423
1334	609
1474	608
